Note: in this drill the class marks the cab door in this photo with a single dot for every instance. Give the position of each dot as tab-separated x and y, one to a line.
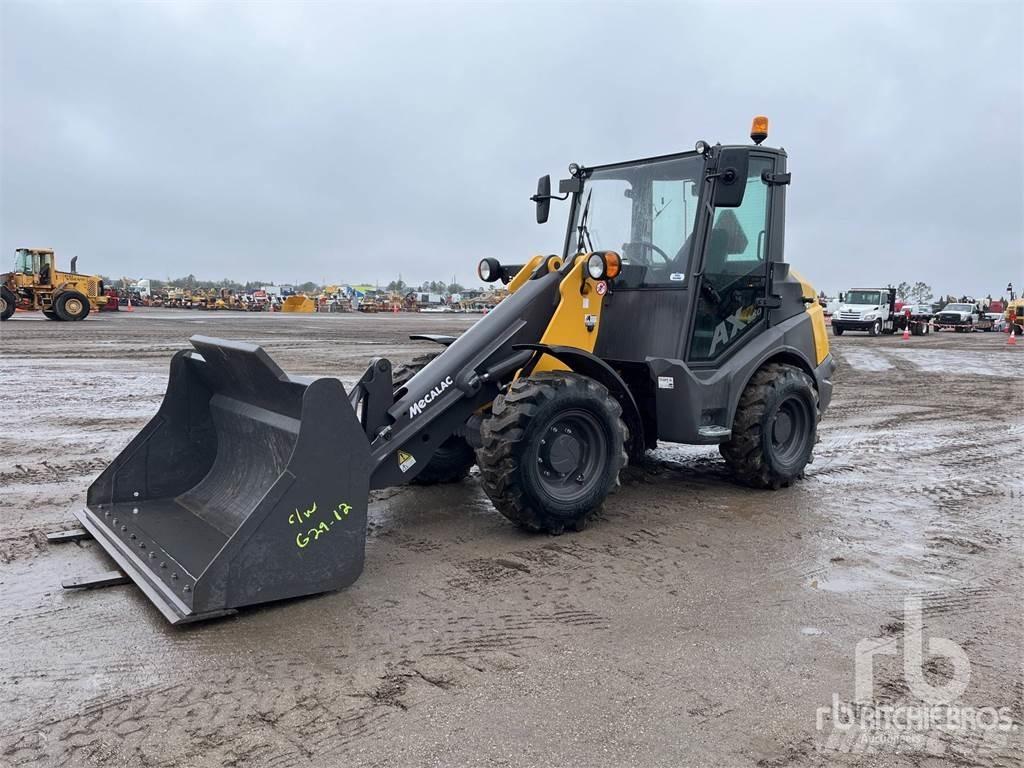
734	271
645	312
44	268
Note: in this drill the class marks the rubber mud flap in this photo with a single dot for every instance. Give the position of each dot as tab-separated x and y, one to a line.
248	486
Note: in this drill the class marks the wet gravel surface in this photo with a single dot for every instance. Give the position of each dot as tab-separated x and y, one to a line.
695	623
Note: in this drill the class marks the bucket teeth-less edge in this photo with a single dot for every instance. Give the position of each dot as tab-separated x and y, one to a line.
248	486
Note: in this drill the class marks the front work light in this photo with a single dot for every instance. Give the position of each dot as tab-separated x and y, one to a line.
603	265
759	129
488	270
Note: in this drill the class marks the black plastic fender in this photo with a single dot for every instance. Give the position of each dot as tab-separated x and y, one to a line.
588	364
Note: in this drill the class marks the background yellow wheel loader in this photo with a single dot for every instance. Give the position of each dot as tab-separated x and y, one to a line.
668	315
36	283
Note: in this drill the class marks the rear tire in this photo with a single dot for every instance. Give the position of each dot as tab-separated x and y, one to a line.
8	302
71	305
775	428
552	450
454	458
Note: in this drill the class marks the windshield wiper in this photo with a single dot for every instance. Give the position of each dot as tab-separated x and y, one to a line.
583	231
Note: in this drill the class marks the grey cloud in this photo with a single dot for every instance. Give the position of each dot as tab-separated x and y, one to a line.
351	142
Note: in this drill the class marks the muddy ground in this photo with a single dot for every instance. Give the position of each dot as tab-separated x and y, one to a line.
696	623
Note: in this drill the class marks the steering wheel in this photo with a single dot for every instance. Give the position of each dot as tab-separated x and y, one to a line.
650	247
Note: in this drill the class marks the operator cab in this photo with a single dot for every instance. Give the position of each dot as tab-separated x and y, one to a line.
696	257
35	261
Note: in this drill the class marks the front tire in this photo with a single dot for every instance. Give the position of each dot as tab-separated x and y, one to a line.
775	428
875	329
8	302
71	305
837	330
553	447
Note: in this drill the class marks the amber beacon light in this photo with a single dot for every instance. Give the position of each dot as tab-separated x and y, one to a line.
759	129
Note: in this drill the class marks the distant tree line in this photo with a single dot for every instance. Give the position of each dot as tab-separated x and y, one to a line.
192	283
918	293
431	286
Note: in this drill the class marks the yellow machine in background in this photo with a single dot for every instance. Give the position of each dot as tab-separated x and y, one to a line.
1015	316
36	283
298	304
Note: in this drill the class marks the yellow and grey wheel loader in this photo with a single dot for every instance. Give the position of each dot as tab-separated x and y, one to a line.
668	315
36	283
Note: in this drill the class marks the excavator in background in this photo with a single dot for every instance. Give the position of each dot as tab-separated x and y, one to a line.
668	315
36	283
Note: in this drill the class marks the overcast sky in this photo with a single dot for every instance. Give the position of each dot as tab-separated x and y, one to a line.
351	142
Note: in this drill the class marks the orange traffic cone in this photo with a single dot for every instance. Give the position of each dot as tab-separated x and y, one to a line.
906	332
128	306
1013	337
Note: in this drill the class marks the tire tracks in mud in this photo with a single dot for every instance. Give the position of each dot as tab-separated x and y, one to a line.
46	472
457	607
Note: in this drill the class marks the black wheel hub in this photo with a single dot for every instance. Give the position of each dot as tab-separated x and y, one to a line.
790	431
572	452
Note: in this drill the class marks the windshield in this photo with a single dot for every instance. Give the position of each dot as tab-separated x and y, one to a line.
23	262
864	297
645	212
960	307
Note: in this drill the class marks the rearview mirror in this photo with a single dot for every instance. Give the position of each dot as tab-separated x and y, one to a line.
543	198
731	177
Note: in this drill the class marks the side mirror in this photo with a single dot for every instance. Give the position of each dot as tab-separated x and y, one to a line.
731	177
543	198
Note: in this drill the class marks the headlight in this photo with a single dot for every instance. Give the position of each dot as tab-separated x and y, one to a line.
869	316
488	270
603	265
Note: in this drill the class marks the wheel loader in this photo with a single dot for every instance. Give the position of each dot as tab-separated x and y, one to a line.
36	283
668	315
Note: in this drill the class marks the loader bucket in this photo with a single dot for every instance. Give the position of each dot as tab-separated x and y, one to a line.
247	486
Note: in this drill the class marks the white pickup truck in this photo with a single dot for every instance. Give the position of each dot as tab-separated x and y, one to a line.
963	318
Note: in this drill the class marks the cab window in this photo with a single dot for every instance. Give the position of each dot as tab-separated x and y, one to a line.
23	263
646	213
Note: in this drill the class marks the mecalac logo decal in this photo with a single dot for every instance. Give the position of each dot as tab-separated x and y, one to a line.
417	408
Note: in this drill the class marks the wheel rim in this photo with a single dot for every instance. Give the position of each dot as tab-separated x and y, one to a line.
790	432
571	455
3	305
73	306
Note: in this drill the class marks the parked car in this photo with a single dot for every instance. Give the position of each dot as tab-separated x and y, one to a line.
998	321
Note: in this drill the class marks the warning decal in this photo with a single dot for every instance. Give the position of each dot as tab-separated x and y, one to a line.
405	461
